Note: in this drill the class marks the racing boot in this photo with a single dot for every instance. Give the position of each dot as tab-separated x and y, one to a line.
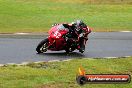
81	47
68	45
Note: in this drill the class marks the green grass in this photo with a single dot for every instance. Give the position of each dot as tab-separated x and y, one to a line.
39	15
63	74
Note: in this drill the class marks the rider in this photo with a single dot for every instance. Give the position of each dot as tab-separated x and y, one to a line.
75	29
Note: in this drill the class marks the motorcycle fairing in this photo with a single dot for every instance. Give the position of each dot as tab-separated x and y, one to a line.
56	40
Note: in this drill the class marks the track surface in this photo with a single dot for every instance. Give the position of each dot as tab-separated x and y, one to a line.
21	48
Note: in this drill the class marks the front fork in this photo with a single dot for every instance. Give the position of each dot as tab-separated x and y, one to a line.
50	43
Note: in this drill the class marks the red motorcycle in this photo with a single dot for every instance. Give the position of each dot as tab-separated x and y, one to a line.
56	40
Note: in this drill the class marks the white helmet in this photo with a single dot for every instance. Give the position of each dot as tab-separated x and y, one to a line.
79	24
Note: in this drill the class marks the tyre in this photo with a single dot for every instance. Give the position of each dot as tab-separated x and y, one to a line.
67	50
42	46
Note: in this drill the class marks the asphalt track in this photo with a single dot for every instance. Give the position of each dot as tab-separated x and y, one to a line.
21	48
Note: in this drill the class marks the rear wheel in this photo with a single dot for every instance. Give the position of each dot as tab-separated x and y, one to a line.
42	46
69	49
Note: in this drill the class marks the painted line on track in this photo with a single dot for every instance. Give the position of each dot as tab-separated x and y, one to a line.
24	63
127	56
67	60
21	33
1	65
38	62
54	61
10	63
125	31
110	57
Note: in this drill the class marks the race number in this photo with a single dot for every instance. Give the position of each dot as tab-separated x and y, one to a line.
57	34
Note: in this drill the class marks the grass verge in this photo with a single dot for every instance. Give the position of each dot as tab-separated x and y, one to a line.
39	15
62	74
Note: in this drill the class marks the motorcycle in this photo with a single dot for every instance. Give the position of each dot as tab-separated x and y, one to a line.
57	40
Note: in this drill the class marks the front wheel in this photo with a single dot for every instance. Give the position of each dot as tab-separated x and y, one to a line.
42	46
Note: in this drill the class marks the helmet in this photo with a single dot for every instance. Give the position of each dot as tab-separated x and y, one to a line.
79	24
